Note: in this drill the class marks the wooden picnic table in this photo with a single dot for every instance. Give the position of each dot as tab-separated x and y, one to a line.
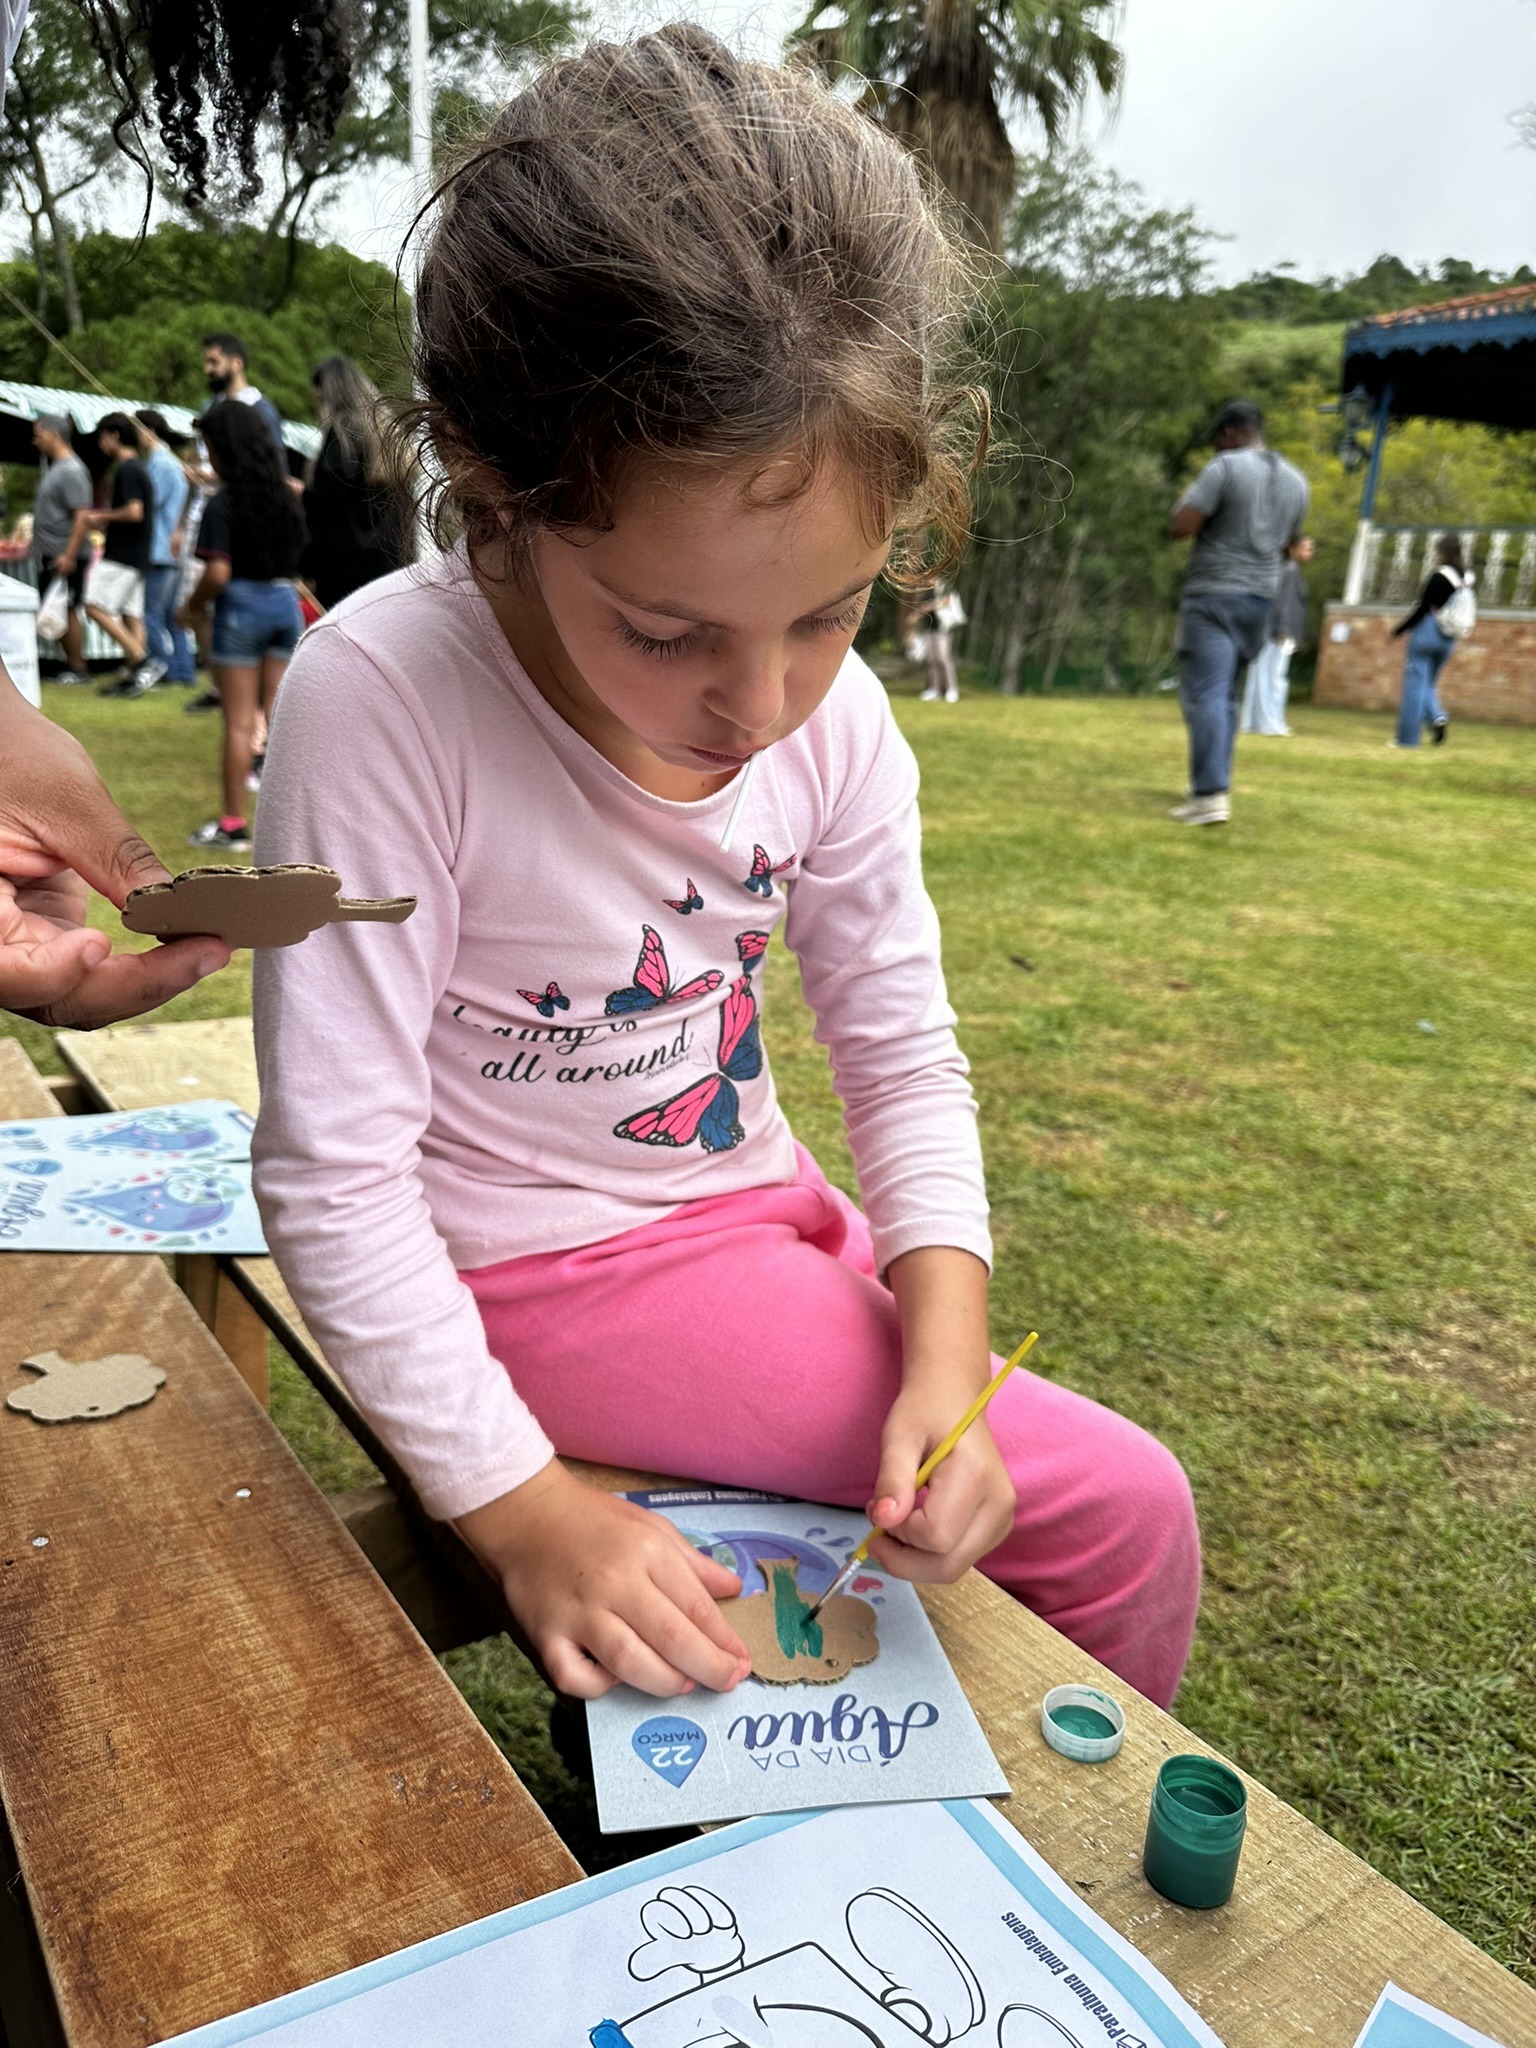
1312	1933
229	1765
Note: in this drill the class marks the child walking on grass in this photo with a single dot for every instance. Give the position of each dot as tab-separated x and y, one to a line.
681	331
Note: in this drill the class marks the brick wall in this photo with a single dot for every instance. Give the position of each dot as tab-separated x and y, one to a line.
1491	677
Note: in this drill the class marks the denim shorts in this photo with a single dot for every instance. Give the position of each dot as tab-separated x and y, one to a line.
252	620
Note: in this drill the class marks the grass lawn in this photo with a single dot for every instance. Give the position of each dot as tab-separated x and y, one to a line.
1249	1196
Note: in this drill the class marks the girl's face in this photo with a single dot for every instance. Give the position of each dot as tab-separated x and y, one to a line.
702	627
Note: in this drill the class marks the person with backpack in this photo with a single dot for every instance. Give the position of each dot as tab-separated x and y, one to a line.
1445	613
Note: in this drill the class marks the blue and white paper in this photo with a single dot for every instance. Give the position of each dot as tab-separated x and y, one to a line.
899	1728
883	1927
137	1180
1399	2020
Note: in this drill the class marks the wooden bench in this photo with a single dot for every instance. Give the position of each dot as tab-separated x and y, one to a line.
1312	1934
229	1766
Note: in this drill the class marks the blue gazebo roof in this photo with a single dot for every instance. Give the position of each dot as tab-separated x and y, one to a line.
1464	359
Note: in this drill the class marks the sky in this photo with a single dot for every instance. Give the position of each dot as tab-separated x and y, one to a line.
1315	132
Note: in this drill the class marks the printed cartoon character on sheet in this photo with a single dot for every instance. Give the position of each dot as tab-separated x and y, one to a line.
905	1983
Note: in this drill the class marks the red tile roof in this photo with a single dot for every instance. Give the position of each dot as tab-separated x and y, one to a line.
1510	299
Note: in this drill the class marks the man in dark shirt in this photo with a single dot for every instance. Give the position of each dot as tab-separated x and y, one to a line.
114	584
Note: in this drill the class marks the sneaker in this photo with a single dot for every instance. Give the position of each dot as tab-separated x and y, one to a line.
253	773
205	700
951	696
112	686
1203	810
1440	731
71	678
150	672
927	696
235	838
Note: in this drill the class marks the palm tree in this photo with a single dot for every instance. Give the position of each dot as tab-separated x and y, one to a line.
943	75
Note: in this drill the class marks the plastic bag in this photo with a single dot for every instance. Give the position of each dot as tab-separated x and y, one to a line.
53	612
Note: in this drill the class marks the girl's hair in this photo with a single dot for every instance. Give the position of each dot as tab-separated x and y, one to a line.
1448	551
664	252
350	404
265	510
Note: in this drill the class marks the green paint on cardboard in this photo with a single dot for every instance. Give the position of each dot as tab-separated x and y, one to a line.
797	1636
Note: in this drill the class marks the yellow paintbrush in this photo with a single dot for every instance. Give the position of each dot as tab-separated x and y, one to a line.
925	1472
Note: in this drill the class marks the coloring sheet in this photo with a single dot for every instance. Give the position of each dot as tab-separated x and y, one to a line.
897	1728
1399	2020
139	1180
869	1927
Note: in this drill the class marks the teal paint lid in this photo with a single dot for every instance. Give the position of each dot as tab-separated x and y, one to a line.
1080	1722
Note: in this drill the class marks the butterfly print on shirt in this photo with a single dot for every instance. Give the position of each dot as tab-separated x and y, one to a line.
652	984
760	881
690	901
552	999
709	1110
750	948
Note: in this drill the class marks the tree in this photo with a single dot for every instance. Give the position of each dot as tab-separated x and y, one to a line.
55	139
945	75
471	42
1103	340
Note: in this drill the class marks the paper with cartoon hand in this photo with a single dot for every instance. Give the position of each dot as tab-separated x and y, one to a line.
82	1390
256	907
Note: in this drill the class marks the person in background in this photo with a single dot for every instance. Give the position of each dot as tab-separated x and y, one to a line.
250	542
1430	647
59	828
356	504
1269	674
114	584
63	490
170	652
947	613
224	373
1243	511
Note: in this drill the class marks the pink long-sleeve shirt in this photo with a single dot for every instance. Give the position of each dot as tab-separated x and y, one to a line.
563	1042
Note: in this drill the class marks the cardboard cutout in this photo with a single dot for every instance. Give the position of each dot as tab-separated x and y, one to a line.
255	906
787	1650
85	1390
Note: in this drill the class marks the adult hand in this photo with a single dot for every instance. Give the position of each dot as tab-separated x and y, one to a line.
64	565
608	1591
59	831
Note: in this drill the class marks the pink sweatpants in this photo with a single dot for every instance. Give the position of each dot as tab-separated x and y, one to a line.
745	1340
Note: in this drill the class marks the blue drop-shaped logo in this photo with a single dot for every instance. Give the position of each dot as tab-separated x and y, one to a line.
670	1745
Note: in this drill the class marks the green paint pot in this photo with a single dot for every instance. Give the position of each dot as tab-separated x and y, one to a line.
1195	1831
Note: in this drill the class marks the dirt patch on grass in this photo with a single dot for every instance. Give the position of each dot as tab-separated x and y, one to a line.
1495	1363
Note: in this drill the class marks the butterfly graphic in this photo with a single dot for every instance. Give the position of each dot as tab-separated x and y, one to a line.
709	1110
760	881
652	984
690	901
552	999
750	948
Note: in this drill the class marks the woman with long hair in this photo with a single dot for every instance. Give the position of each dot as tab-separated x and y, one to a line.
356	502
249	544
1432	629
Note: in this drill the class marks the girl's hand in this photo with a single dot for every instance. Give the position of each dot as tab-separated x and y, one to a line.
607	1591
967	1507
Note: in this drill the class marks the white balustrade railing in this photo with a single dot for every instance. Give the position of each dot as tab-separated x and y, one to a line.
1389	564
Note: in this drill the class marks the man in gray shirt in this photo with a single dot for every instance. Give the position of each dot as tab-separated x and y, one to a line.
64	488
1243	511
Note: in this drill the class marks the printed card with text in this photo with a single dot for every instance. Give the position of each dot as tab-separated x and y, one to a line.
895	1725
142	1180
